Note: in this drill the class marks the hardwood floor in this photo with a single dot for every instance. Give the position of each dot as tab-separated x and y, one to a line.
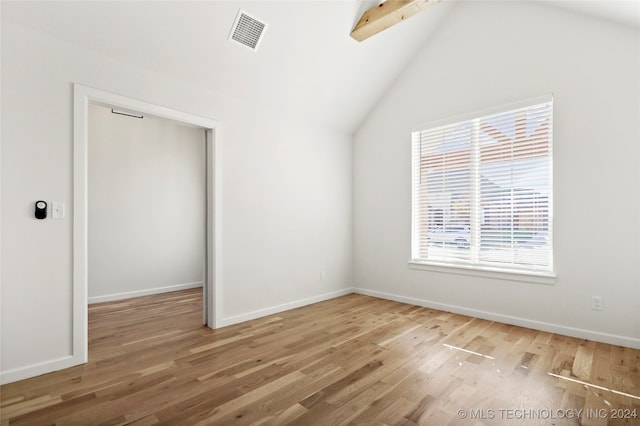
354	359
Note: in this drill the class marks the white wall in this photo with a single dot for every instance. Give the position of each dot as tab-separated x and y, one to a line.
286	194
147	216
492	53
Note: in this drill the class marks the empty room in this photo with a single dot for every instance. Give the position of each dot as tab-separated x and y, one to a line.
320	212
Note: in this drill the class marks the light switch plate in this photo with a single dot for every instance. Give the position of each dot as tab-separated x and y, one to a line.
57	211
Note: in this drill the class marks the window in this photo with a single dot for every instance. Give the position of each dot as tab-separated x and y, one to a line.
482	191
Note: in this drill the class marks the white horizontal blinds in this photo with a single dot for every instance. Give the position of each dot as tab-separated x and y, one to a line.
443	209
416	197
515	188
482	191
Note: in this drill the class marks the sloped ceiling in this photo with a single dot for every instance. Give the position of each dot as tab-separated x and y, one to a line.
306	65
626	12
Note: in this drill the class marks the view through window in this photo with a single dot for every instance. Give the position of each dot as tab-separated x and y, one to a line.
482	191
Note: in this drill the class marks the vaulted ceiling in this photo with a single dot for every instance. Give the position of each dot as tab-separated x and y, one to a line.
307	64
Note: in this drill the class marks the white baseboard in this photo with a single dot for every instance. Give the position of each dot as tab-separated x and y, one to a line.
236	319
146	292
580	333
38	369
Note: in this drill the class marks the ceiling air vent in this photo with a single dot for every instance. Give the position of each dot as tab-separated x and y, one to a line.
247	30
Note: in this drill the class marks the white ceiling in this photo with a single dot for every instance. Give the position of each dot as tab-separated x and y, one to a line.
626	12
307	63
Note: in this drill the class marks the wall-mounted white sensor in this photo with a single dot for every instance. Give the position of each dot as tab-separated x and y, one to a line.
57	210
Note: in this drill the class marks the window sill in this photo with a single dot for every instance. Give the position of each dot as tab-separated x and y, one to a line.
484	272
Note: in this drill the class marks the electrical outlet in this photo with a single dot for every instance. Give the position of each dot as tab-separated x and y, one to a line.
596	303
322	276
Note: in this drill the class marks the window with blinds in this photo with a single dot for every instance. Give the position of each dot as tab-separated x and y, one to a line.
482	191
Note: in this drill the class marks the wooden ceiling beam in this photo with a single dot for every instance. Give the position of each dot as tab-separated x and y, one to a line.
386	15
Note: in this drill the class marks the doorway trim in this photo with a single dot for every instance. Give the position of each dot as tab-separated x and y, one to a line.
82	97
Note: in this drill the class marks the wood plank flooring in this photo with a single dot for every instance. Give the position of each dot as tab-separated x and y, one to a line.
351	360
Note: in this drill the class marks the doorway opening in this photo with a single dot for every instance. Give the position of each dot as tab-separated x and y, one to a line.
147	192
83	97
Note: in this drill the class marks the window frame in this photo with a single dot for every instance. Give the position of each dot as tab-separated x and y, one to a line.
521	274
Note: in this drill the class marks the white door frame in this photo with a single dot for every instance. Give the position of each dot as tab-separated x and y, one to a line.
82	97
